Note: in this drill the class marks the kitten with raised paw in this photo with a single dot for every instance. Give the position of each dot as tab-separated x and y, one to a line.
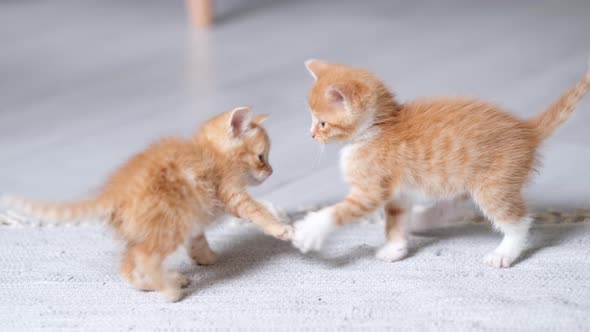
432	149
165	196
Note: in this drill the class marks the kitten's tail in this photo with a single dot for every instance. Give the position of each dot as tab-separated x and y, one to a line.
546	122
59	212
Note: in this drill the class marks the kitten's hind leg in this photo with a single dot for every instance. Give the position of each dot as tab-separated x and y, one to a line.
508	215
396	216
513	242
150	261
179	279
200	251
132	273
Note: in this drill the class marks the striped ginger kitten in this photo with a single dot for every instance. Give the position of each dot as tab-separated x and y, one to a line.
164	197
437	149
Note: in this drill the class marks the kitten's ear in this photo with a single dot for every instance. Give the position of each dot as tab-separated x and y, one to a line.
260	118
239	120
336	94
316	67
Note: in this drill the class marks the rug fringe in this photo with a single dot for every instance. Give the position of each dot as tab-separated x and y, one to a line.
12	219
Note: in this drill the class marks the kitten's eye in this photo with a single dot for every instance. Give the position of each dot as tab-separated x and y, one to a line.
323	124
261	158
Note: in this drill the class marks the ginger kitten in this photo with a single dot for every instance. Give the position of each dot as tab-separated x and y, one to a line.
165	196
396	155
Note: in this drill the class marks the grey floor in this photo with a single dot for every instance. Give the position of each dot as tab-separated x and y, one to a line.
85	84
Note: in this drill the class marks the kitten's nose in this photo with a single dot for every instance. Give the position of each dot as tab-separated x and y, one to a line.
312	135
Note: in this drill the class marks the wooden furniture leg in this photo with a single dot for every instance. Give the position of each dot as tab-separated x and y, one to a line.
200	12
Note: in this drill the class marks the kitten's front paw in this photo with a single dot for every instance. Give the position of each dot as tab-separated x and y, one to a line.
287	234
498	260
173	294
311	232
392	252
282	232
206	258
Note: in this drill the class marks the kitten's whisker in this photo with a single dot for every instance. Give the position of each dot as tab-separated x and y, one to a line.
320	155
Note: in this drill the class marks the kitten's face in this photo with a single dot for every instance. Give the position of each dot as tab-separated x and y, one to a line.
340	101
254	156
252	145
330	122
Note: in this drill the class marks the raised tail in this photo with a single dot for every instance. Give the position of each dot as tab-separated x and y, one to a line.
59	212
546	122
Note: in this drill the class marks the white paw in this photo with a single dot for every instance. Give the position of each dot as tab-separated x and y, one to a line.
311	232
498	260
179	279
173	294
392	252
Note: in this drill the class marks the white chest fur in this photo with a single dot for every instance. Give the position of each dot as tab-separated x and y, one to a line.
349	154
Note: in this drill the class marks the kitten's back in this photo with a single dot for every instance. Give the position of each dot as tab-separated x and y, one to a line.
457	142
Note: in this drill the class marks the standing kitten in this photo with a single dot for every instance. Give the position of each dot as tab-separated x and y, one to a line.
428	149
165	196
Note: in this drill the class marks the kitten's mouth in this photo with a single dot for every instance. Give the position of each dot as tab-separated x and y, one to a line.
328	140
258	178
263	177
321	140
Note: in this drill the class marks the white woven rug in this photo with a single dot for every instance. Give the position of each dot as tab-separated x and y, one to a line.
67	279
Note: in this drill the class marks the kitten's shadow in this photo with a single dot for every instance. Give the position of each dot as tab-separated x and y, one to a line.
539	238
245	254
351	256
546	236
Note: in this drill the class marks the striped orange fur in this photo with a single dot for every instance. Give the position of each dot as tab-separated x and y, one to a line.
434	148
165	196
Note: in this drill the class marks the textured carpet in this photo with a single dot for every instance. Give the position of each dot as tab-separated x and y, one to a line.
67	279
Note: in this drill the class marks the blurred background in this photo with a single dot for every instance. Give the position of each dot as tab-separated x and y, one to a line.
86	84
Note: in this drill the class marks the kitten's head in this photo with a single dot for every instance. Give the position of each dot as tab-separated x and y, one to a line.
248	143
343	100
